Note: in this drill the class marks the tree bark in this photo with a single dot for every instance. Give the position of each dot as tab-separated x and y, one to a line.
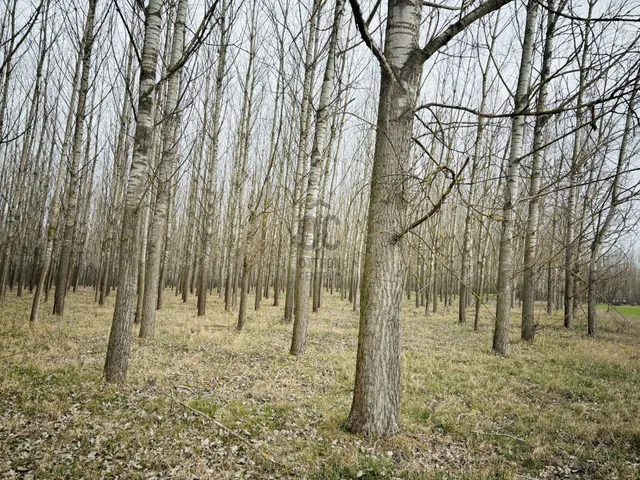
212	166
71	194
304	271
603	229
376	397
505	260
118	350
165	170
531	233
305	112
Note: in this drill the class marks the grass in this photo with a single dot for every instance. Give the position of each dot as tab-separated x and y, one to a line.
620	311
565	407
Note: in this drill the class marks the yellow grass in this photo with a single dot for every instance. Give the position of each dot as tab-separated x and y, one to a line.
565	407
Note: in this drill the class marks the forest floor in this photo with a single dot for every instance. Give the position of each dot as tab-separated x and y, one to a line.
204	401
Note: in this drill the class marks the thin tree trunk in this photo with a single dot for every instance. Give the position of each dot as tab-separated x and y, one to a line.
570	254
304	271
300	170
531	234
505	262
212	165
603	229
165	169
72	198
118	350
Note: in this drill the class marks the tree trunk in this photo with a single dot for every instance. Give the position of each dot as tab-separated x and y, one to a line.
304	271
212	166
505	262
602	230
165	170
570	254
531	234
118	350
71	194
376	397
305	112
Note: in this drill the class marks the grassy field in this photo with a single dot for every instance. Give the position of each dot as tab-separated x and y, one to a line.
204	401
622	310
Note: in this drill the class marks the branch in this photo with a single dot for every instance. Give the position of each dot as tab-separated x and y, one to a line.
553	111
273	459
129	32
193	46
436	43
559	13
16	46
447	7
366	37
373	12
454	180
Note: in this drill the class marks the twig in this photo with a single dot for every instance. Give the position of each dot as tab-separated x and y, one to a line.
455	178
12	354
509	436
446	7
275	460
500	435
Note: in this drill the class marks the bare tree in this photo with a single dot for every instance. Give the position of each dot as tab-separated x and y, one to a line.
304	272
376	398
117	361
505	261
165	170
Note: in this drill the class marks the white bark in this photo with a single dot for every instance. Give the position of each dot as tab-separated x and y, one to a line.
118	350
304	271
165	170
505	262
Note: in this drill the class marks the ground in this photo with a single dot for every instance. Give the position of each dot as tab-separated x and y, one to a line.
203	401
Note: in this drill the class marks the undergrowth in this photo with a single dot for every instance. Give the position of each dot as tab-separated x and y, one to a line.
204	401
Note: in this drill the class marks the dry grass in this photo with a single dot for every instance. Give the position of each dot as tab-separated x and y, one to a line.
565	407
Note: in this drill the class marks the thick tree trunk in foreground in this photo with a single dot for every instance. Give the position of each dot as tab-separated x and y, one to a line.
376	397
118	350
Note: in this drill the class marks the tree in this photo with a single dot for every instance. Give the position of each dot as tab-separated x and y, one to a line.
576	161
603	226
76	150
165	170
118	350
505	260
376	398
300	169
528	274
211	165
304	272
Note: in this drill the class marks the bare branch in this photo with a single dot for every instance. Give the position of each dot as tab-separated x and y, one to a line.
447	7
436	43
366	37
436	208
